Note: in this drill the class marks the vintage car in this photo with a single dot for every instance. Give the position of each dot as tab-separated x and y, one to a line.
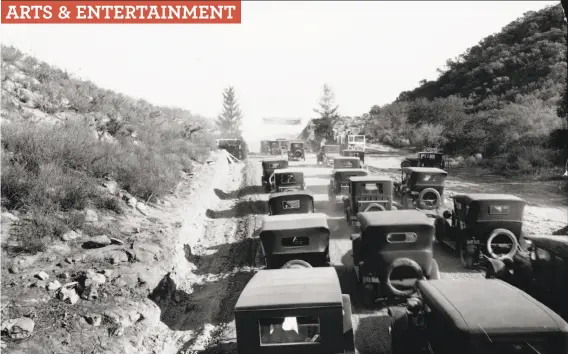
296	151
424	159
354	153
289	237
367	193
392	251
296	311
339	181
287	179
293	202
421	187
236	147
268	168
346	162
481	226
327	153
475	316
542	271
275	147
265	147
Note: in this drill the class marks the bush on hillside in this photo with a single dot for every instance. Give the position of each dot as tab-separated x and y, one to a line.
49	171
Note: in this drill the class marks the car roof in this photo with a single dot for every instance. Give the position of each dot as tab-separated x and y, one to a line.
283	194
353	150
470	197
425	170
430	152
555	243
291	288
349	170
346	158
295	141
274	160
489	306
370	179
393	217
288	170
294	221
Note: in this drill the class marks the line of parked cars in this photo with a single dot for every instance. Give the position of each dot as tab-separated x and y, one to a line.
296	304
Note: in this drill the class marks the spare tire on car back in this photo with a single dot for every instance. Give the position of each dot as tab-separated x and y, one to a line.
422	202
510	236
402	262
298	153
296	263
375	206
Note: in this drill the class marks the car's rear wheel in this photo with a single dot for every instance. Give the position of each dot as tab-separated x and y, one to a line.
429	199
296	263
405	164
502	239
398	264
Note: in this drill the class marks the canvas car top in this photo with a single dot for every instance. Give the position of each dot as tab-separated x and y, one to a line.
554	243
266	163
425	170
470	197
489	306
290	193
288	170
294	222
370	179
393	218
291	288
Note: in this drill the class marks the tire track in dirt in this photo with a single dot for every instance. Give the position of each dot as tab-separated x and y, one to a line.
222	262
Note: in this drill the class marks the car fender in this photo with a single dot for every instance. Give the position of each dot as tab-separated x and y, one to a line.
348	336
375	206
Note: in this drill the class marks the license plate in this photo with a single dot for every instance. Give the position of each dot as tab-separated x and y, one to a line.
368	279
473	242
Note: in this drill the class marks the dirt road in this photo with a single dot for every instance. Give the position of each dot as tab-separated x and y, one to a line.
370	324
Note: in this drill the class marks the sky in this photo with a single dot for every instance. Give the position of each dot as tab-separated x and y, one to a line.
279	57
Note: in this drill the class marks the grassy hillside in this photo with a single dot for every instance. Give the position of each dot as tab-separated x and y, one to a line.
63	137
500	98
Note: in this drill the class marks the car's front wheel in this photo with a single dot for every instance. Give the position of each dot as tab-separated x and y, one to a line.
405	164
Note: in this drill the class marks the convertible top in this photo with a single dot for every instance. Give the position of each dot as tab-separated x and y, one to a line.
393	218
425	170
370	179
557	244
294	222
291	288
288	170
505	309
287	193
471	197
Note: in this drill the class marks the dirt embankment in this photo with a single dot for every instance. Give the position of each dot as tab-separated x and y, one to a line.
161	287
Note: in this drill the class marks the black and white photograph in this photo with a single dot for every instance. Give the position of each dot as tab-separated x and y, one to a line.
284	177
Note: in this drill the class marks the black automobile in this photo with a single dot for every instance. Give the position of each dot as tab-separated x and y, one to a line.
425	159
268	168
296	151
475	316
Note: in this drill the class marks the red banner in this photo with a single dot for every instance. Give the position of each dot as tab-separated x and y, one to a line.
125	12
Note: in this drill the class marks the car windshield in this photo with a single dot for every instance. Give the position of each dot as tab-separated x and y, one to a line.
344	164
289	330
429	178
288	178
370	188
296	146
331	148
428	156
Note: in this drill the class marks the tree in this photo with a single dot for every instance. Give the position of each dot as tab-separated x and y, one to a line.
323	126
230	120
